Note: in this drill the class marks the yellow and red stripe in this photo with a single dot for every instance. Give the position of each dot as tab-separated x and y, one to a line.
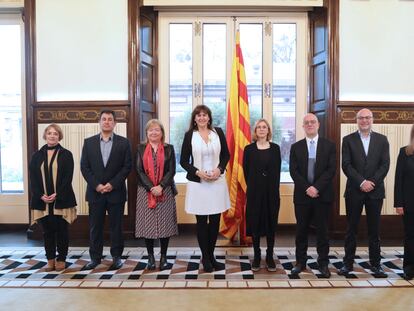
238	136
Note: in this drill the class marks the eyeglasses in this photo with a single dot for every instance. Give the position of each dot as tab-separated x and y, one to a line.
365	118
310	122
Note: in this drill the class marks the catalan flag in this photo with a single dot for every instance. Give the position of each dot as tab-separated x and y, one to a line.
238	136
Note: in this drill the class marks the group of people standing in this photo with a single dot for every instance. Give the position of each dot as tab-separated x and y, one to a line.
106	162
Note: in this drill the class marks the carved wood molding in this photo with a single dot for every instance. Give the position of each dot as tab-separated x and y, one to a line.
86	115
381	115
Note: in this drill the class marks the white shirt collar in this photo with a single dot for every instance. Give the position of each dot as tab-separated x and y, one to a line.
315	139
364	137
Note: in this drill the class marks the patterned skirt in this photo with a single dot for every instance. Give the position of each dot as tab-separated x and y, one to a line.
158	222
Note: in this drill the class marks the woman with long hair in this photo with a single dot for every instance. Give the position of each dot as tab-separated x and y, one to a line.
204	155
404	202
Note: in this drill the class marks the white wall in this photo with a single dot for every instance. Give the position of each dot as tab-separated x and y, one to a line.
82	49
376	50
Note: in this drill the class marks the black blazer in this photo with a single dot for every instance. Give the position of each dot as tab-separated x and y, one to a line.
404	181
65	197
186	159
359	167
325	169
169	168
116	171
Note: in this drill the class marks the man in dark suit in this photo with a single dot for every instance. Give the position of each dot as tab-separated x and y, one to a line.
312	167
365	161
105	164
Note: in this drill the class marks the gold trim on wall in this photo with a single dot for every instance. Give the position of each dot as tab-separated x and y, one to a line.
66	115
380	115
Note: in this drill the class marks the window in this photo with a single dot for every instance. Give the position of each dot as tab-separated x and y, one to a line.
195	68
11	130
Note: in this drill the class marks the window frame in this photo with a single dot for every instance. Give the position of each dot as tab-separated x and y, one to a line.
302	48
18	198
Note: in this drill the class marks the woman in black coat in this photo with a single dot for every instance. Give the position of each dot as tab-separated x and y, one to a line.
261	165
404	202
53	202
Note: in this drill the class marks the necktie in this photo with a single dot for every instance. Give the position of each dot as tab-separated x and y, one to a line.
311	161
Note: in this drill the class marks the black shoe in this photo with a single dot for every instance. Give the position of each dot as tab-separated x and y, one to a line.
164	265
270	263
151	262
345	270
256	263
116	263
378	272
324	270
218	266
298	268
408	276
92	264
207	266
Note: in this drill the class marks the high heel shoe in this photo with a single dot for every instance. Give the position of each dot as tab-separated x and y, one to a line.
164	265
151	262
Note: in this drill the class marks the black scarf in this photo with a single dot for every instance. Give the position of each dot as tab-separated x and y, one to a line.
48	168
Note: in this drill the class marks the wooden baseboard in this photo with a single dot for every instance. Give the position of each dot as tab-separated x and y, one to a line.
13	227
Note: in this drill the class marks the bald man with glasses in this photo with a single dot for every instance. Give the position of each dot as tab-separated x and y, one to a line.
312	167
365	162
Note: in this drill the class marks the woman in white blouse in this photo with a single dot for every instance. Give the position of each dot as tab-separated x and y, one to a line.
204	155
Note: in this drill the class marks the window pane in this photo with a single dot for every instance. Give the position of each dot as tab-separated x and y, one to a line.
11	150
252	49
284	91
181	93
214	71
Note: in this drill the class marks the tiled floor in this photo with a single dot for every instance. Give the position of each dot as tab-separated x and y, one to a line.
24	267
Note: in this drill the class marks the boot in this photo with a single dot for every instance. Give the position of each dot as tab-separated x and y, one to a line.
207	267
270	262
151	262
50	265
256	260
164	265
60	265
216	265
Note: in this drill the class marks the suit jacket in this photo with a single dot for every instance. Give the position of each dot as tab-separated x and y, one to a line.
116	171
359	167
169	168
325	169
404	181
65	197
187	157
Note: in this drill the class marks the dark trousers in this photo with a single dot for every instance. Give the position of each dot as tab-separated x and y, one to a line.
207	232
373	208
56	236
149	244
270	239
408	264
316	213
97	211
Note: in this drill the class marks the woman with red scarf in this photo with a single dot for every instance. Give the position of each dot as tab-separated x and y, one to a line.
156	216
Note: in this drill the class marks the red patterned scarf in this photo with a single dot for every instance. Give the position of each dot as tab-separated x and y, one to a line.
154	176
